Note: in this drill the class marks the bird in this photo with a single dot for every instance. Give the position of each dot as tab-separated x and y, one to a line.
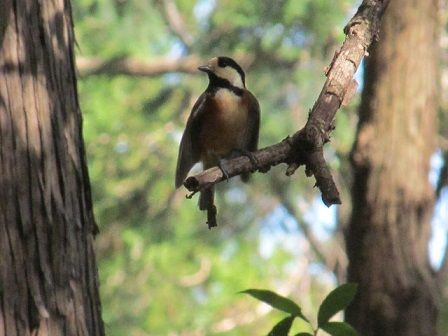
224	122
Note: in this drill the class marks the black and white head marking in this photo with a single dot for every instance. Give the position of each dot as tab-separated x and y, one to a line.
224	72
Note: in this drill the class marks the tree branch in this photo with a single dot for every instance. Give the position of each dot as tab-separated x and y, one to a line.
306	146
176	22
132	66
157	66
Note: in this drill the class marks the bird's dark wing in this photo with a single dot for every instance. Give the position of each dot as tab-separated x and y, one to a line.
253	124
189	152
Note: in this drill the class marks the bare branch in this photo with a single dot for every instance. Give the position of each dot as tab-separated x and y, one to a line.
176	22
132	66
266	157
306	146
136	67
157	66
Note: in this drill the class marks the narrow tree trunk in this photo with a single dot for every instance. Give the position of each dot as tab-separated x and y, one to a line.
48	275
387	240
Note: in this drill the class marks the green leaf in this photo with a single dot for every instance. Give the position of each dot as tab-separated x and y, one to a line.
339	329
276	301
303	334
336	301
282	328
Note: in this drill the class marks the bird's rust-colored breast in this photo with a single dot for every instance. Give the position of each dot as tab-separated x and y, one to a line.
224	126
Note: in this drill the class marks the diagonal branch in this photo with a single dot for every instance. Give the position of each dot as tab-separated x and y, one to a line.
176	22
305	147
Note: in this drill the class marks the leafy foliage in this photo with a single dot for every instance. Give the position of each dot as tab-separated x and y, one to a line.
282	327
156	256
336	301
338	329
276	301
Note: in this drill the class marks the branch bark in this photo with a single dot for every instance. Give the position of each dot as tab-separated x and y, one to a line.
158	66
132	66
176	22
305	147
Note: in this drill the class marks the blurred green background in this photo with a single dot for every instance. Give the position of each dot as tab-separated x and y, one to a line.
162	272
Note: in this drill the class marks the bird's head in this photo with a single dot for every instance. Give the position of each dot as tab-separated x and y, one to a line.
225	68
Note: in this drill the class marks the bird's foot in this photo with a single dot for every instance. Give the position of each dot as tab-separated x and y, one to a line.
224	171
190	196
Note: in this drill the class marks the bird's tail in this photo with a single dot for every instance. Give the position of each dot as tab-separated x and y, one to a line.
245	177
206	202
206	198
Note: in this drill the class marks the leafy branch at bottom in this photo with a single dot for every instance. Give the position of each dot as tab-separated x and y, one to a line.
336	301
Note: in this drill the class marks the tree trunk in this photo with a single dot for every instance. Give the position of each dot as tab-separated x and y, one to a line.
389	232
48	274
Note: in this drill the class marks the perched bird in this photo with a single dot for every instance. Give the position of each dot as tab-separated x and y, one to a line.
224	121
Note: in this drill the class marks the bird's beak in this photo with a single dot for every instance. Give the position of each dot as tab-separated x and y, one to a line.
205	68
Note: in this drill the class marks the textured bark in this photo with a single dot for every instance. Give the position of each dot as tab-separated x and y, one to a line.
48	275
387	240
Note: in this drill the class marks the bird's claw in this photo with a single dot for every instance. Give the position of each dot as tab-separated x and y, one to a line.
255	163
224	171
189	196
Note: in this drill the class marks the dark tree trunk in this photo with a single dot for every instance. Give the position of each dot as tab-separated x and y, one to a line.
389	232
48	274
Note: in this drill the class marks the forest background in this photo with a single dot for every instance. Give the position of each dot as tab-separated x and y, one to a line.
137	82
